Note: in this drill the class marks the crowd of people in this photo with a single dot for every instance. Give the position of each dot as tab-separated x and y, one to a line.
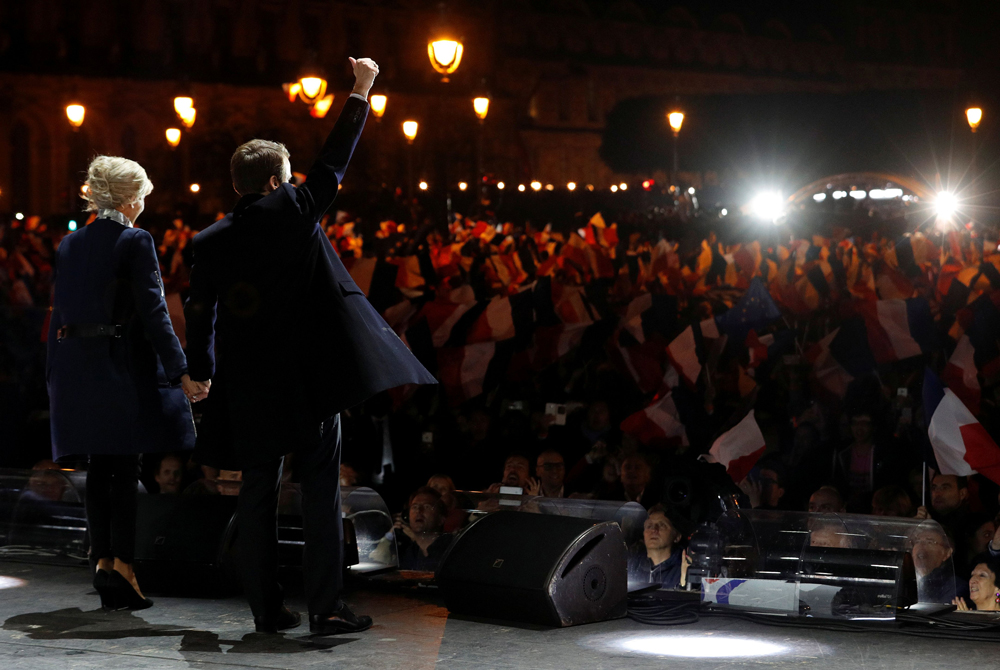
547	341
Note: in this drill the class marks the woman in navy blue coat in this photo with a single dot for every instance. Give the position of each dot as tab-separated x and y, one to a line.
117	376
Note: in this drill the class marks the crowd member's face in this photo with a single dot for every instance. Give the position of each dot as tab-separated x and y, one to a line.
441	485
861	428
771	490
47	484
551	470
169	476
982	537
635	473
826	536
658	533
598	416
930	550
982	584
516	471
946	496
824	502
348	475
425	517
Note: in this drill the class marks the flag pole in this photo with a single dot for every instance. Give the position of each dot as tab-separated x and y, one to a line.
923	485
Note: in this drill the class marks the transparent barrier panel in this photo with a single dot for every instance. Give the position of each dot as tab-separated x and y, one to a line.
822	565
42	516
373	528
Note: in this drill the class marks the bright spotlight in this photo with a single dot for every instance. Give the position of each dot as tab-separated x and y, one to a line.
945	204
819	197
837	195
500	185
768	205
19	216
536	186
11	582
724	211
614	188
691	190
195	188
858	195
698	646
423	186
520	187
571	186
71	225
462	186
623	186
550	187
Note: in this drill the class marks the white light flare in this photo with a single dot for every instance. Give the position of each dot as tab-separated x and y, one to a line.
768	205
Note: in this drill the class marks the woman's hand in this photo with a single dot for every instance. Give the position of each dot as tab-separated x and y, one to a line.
195	391
960	604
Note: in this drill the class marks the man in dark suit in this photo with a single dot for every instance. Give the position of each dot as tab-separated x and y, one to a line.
288	340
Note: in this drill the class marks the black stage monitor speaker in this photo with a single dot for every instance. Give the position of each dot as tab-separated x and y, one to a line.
185	543
537	568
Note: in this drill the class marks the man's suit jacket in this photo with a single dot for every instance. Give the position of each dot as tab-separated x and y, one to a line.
277	323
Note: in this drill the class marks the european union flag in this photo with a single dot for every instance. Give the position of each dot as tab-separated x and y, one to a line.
755	310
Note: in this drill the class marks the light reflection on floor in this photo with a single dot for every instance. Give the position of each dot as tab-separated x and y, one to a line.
685	645
11	582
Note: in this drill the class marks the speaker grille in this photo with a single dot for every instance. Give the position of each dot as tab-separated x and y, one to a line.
594	583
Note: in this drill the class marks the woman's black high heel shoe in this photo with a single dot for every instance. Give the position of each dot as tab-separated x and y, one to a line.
102	584
125	596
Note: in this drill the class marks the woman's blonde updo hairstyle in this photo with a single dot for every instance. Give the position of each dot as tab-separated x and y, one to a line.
113	181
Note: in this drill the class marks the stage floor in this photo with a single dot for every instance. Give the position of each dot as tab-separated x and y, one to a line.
51	620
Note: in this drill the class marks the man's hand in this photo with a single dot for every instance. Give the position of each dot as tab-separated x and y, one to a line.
754	491
365	71
533	487
922	513
195	391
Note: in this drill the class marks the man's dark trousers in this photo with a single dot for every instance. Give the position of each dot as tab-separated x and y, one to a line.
319	473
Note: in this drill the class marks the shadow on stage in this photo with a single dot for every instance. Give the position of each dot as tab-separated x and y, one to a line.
75	624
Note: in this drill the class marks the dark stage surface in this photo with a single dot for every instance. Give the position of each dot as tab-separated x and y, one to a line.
49	621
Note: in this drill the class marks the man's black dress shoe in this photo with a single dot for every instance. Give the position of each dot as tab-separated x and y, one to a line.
341	620
283	619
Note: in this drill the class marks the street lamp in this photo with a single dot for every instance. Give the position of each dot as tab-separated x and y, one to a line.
312	88
378	102
410	131
75	114
481	106
446	55
322	106
173	137
975	117
676	120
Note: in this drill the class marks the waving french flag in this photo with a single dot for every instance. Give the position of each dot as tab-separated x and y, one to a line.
961	444
739	448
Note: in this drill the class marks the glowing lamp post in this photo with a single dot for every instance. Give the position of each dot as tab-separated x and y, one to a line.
312	88
974	116
410	132
445	55
676	120
173	137
378	103
75	114
482	107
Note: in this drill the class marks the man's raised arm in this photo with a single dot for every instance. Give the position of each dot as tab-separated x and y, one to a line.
320	189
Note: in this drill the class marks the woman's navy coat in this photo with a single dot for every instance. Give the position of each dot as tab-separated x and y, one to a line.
111	395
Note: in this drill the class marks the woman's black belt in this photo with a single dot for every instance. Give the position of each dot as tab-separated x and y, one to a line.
89	330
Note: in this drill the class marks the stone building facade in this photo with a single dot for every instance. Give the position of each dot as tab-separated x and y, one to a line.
554	70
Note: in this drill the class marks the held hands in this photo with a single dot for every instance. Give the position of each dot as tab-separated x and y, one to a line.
365	71
195	391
